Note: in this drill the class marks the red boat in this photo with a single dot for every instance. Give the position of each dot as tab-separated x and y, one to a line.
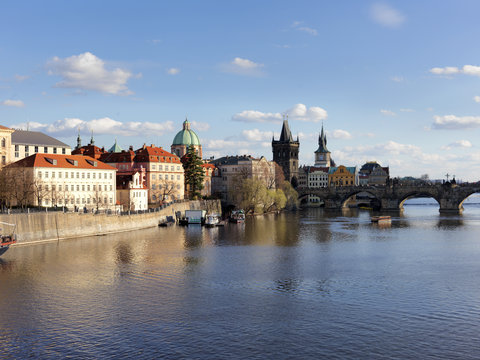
7	240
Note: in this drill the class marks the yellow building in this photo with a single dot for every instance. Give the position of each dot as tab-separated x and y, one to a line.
5	145
343	176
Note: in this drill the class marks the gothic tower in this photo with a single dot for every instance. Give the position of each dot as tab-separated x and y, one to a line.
285	154
322	155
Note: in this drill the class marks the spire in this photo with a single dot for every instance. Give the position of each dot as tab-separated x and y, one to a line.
286	134
115	148
322	143
79	140
92	142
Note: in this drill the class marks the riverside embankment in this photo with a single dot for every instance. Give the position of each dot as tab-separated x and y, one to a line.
52	226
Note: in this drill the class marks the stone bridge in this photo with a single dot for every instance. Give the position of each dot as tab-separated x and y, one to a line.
391	198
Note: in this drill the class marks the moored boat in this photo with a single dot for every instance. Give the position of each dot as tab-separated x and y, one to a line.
212	220
7	239
385	219
237	216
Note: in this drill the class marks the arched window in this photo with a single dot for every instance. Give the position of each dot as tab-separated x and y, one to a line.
4	143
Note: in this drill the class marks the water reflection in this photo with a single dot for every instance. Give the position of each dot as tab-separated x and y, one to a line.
123	253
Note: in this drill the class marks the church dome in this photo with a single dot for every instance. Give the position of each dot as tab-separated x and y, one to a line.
186	136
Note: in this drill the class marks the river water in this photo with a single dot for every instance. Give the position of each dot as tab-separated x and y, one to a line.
290	286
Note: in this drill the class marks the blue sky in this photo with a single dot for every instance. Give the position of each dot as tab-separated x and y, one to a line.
395	81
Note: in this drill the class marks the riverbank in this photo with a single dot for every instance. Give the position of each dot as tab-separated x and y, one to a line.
54	226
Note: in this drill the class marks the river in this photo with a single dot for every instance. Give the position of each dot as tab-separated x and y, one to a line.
290	286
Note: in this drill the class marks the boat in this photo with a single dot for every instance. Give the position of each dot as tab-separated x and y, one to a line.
212	220
381	219
7	239
237	216
169	221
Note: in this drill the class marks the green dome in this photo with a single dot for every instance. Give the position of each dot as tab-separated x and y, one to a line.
186	136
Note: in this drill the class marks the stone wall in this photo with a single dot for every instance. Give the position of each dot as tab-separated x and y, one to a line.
43	226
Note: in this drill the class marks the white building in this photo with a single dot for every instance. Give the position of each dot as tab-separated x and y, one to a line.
25	143
132	194
232	168
73	181
317	177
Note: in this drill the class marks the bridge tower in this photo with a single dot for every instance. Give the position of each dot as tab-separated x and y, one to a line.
322	155
285	153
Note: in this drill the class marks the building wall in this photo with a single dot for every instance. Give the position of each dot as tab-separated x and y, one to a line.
90	188
342	177
20	151
5	146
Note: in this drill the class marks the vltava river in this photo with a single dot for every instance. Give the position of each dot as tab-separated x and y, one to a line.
289	286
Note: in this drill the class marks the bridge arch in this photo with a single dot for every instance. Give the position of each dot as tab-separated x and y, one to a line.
417	195
347	196
467	195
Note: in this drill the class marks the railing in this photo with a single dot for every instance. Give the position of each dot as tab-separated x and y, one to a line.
36	210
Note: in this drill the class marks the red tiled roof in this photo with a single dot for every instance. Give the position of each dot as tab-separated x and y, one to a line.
62	161
5	128
155	154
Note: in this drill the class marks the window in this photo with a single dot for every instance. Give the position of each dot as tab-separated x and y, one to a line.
153	177
88	175
154	187
59	187
63	151
111	187
40	174
153	166
83	175
54	150
45	150
178	177
36	149
83	187
172	177
26	148
160	167
78	175
17	148
46	174
4	143
94	175
78	187
88	187
94	187
111	176
53	174
73	174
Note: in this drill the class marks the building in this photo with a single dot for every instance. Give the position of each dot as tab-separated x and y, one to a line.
342	176
132	194
88	150
209	170
5	145
285	153
26	143
322	155
184	139
73	181
165	178
231	169
372	173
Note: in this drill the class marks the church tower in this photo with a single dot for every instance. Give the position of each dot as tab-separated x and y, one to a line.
322	155
285	153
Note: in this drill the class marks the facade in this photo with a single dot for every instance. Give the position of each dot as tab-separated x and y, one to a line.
26	143
372	173
132	194
285	153
233	168
72	181
317	177
5	145
165	178
322	155
209	170
184	139
343	176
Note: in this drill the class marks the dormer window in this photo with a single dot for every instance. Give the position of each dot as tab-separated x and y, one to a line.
51	161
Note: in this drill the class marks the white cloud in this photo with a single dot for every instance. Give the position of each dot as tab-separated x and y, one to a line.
88	72
200	126
257	117
397	78
230	145
20	78
453	122
298	112
340	134
386	15
107	126
387	112
173	71
257	135
243	67
14	103
458	144
308	30
452	70
476	99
